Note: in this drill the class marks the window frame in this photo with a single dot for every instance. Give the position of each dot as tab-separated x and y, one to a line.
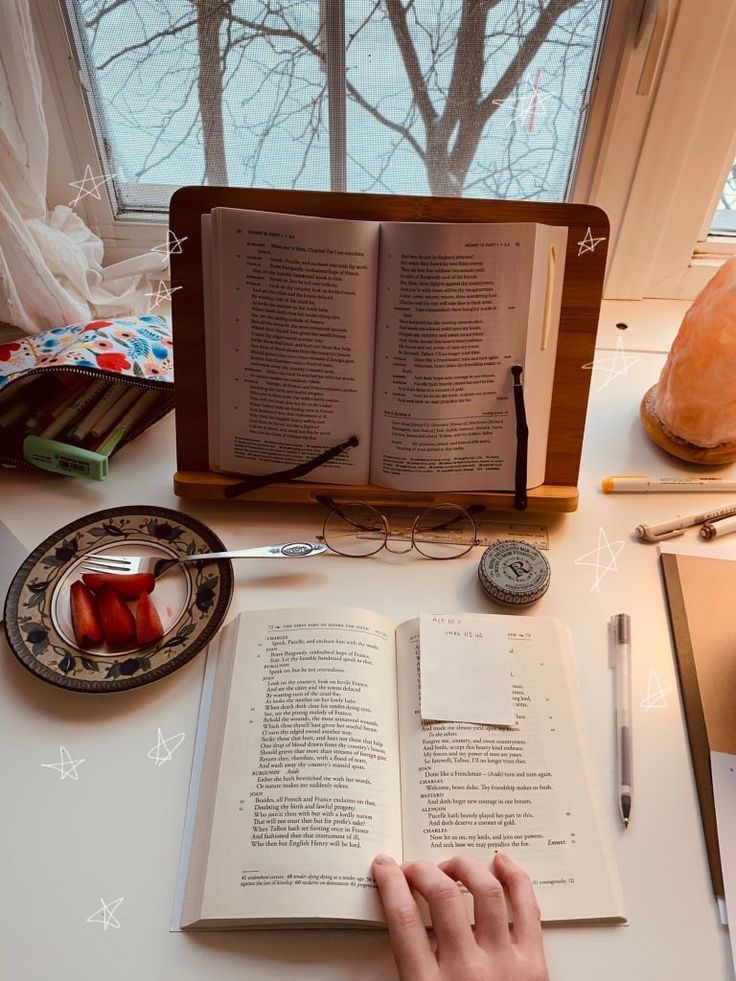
660	245
708	243
74	145
72	142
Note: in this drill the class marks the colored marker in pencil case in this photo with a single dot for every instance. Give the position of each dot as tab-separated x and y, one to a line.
65	458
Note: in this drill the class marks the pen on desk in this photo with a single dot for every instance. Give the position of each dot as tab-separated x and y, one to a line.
620	626
631	484
671	529
714	529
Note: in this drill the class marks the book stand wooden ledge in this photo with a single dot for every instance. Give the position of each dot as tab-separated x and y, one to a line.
581	296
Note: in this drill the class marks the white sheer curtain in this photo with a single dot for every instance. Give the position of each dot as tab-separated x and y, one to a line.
51	270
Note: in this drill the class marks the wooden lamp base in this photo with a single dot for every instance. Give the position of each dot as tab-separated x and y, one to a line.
709	456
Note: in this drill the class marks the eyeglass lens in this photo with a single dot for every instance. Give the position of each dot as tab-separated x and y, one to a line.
442	532
355	529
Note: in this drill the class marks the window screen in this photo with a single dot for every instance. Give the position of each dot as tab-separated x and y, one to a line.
481	98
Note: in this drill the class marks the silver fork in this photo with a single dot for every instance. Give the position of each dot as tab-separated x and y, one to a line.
131	564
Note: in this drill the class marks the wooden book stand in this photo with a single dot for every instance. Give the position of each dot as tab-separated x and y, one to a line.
585	264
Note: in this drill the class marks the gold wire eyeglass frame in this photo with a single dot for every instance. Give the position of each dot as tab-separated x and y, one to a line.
381	528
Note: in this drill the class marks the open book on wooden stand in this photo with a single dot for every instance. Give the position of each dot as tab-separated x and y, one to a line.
390	326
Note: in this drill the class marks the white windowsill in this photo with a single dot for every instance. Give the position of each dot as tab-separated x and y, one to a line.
652	324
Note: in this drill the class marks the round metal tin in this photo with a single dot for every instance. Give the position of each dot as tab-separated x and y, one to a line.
514	573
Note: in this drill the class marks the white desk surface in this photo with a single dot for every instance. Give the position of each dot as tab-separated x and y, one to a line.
116	831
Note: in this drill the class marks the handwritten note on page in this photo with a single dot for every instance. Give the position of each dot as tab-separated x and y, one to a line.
465	670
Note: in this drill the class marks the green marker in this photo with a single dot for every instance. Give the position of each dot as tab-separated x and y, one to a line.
57	457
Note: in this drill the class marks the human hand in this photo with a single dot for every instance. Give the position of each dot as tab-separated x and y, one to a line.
494	951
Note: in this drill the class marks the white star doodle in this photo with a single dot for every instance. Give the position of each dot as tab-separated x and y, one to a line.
105	915
163	292
89	192
526	104
66	766
172	246
588	243
596	558
656	694
164	749
613	365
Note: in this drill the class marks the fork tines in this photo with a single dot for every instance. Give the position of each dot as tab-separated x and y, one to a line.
107	563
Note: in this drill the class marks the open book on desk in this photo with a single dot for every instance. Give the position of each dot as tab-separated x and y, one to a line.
312	757
400	333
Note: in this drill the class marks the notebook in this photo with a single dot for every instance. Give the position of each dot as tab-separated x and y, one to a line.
705	650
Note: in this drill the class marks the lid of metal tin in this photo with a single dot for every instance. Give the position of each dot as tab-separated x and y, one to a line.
514	573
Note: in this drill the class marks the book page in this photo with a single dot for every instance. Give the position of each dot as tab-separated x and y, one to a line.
457	305
295	311
530	791
307	772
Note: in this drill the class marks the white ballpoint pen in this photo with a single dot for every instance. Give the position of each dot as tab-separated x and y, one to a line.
620	626
670	529
714	529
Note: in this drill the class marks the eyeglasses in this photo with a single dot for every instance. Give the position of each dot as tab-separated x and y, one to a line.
445	531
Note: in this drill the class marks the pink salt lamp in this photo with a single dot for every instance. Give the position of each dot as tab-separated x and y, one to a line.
691	411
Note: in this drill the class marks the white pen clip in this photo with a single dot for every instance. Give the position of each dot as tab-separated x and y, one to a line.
657	533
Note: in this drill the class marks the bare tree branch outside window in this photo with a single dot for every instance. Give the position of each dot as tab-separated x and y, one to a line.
452	97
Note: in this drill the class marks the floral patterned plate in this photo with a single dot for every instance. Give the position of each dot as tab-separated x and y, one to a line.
192	600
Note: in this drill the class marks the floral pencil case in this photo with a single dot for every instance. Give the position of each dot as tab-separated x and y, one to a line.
72	396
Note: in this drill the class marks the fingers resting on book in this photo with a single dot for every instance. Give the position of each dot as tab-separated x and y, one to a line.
494	950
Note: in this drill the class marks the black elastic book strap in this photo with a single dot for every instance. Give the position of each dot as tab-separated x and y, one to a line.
522	441
253	483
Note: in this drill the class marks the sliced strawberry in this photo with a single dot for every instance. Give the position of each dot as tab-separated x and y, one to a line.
118	625
148	626
128	587
85	618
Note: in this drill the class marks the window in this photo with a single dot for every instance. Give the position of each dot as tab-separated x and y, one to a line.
428	97
724	219
623	103
670	150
